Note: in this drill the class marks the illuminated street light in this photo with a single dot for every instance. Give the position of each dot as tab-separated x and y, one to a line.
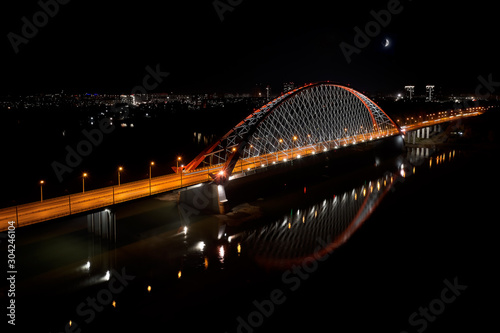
150	165
119	169
178	159
41	191
83	181
294	140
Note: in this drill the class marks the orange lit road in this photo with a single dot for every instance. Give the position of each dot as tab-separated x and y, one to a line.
441	117
89	200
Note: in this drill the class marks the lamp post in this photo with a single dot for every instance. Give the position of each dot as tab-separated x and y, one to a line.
293	143
280	141
83	181
119	169
182	169
41	191
178	159
150	165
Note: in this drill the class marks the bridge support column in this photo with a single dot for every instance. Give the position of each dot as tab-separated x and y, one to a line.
418	133
103	224
210	197
427	130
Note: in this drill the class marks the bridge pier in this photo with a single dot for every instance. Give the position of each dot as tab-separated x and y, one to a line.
210	197
102	224
421	133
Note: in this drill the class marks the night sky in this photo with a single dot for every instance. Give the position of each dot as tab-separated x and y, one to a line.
92	46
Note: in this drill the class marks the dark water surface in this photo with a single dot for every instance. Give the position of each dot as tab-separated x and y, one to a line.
354	252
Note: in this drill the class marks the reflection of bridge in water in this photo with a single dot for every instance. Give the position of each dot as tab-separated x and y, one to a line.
318	229
313	231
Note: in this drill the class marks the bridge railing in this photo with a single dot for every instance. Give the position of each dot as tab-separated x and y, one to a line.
36	212
48	209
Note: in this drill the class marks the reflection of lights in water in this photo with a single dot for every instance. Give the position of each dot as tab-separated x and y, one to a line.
200	246
107	276
336	219
85	267
239	248
185	230
206	263
221	253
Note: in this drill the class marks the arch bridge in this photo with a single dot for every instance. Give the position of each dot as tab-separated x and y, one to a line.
313	118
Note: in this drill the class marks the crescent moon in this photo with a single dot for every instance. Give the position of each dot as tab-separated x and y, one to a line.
387	43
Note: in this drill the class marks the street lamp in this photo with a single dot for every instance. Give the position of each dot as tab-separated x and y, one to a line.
41	191
182	169
150	165
83	181
178	159
294	140
119	169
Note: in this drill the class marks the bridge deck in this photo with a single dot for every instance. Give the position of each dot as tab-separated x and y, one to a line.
36	212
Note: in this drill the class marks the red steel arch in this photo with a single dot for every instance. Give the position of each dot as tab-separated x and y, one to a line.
316	112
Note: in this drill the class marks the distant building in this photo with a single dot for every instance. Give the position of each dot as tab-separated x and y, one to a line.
429	89
410	91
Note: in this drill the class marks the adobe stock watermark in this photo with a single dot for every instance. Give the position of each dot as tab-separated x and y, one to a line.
30	28
94	137
74	156
486	84
372	29
88	309
200	201
484	89
292	280
425	315
223	6
202	198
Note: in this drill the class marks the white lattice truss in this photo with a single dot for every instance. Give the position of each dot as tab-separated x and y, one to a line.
321	116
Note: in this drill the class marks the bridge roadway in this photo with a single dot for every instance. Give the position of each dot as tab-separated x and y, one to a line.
49	209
